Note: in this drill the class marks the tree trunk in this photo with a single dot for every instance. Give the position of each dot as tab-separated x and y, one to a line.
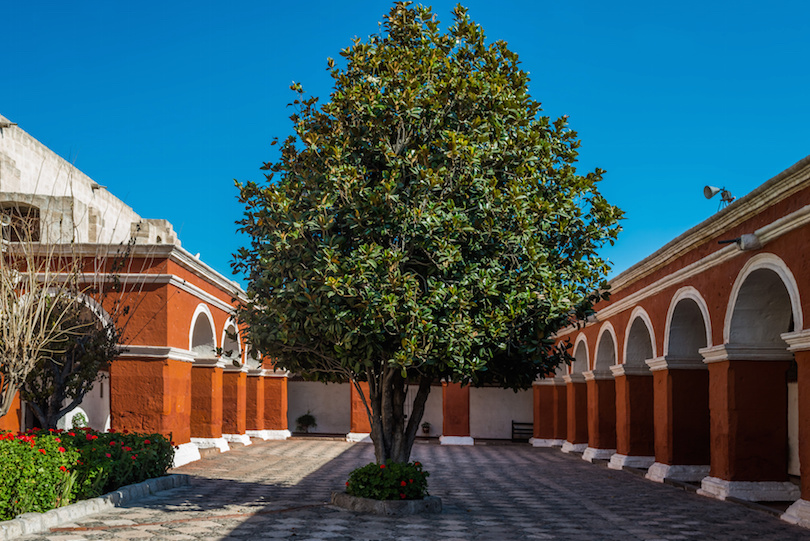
393	438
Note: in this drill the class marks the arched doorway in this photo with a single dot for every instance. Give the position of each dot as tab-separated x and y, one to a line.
576	440
602	398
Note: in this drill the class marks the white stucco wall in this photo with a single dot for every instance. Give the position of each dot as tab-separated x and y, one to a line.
330	403
95	405
433	410
492	411
72	205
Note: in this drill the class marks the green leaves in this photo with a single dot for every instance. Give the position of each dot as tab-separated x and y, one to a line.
426	217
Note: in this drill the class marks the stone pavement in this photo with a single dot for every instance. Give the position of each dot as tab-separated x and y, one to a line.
279	490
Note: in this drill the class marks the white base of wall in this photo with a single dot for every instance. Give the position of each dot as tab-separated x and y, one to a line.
538	442
208	443
753	491
569	447
456	440
244	439
658	472
185	453
798	513
617	461
269	434
357	437
591	454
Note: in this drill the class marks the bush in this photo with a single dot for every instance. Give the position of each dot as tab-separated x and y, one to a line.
43	470
392	481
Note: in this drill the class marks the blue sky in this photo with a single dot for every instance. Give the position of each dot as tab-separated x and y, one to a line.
165	103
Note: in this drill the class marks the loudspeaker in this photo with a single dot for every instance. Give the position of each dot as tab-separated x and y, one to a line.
710	191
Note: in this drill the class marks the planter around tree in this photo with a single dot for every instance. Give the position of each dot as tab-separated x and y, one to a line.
431	504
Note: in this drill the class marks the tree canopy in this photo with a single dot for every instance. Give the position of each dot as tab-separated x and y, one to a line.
426	222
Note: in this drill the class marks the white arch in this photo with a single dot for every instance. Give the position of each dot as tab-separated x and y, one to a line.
773	263
202	310
607	327
584	341
688	292
638	312
231	324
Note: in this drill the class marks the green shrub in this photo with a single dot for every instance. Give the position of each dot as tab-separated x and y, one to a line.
36	473
392	481
42	470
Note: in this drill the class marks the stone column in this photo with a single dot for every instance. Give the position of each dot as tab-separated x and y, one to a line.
254	403
360	426
681	419
206	404
635	444
275	405
234	404
543	410
560	412
748	404
150	391
601	415
799	342
576	440
455	415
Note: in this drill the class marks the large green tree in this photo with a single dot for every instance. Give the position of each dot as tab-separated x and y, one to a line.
427	222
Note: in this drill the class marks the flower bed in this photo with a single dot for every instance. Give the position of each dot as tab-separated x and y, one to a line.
41	470
393	481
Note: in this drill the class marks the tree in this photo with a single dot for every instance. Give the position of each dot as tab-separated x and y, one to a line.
427	222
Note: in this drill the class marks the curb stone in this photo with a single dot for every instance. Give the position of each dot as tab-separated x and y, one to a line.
431	504
29	523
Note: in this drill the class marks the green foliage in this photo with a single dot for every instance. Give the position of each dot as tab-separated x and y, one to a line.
392	481
41	470
427	219
36	473
305	422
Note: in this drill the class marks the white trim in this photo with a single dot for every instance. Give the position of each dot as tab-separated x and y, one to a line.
244	439
618	462
202	309
687	292
607	327
774	263
668	362
569	447
156	352
209	362
231	323
269	434
798	340
229	368
734	352
574	378
584	340
185	453
619	370
598	375
592	453
542	442
456	440
798	513
752	491
359	437
210	443
638	312
545	382
252	372
658	472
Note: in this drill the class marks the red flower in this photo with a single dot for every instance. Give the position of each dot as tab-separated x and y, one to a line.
57	440
410	480
416	464
112	443
108	455
146	442
112	431
93	437
61	449
347	483
62	468
134	457
71	433
403	483
382	466
42	451
126	431
402	495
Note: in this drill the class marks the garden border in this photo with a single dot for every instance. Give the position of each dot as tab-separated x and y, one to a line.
31	523
430	504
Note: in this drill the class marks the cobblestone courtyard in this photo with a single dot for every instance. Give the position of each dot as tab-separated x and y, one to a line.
279	490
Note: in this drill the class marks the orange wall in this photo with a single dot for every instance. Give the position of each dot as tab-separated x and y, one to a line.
206	402
275	403
255	400
11	420
234	402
